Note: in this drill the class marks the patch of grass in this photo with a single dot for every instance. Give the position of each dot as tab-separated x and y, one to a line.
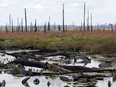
98	42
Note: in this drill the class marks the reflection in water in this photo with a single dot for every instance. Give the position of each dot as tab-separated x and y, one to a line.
104	83
94	63
12	81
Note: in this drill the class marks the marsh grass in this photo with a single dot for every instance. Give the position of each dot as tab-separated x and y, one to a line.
95	41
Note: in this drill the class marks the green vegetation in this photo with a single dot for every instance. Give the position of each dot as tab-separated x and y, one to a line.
95	42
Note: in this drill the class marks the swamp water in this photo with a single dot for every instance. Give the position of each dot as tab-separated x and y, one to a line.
12	81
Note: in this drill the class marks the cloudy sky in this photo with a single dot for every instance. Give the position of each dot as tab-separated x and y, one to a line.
104	11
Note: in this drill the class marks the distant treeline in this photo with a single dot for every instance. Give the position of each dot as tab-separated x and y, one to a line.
59	27
86	24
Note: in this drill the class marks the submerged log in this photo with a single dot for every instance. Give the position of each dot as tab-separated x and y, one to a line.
29	63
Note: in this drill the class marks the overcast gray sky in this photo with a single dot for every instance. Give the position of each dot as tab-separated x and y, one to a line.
104	11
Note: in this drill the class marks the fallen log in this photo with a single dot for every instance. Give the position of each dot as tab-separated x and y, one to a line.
29	63
51	67
86	76
43	65
29	55
37	52
76	68
57	68
73	69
